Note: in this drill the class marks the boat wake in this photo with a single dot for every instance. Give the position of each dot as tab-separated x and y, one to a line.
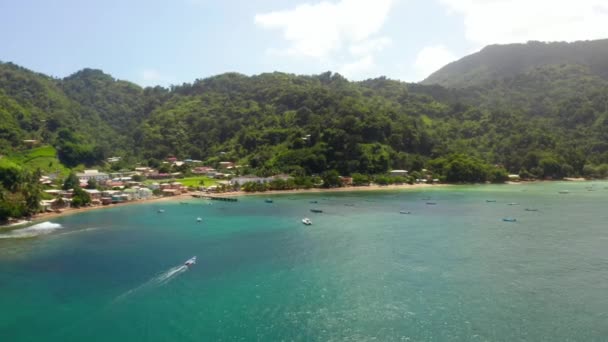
157	281
32	231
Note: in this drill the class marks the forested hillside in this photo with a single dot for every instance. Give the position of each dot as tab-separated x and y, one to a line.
539	119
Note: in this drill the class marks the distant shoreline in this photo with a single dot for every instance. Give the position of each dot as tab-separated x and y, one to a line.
72	211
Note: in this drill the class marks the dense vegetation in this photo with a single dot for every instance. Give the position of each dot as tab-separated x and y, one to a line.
538	110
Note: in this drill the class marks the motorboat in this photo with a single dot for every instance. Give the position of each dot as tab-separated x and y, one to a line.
160	211
513	203
190	261
431	203
531	209
405	212
313	202
268	200
564	192
199	219
307	221
490	201
316	210
509	219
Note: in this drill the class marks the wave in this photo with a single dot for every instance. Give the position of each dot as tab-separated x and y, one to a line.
32	231
157	281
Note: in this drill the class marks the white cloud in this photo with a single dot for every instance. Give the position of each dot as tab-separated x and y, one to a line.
512	21
152	77
370	46
359	68
332	32
430	59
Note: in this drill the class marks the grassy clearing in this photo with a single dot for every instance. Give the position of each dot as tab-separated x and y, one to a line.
43	158
196	181
188	181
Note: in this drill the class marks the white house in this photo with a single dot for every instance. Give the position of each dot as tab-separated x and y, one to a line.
92	174
398	173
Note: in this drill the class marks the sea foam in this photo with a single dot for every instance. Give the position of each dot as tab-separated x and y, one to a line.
32	231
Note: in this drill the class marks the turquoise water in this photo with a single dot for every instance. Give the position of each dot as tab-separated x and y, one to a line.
453	271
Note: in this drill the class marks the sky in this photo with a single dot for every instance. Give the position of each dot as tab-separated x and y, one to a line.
164	42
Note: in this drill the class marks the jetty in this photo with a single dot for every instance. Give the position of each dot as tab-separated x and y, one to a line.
215	197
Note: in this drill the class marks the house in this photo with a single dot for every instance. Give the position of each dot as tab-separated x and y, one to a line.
171	192
247	179
144	193
346	181
92	174
202	170
226	165
398	173
94	193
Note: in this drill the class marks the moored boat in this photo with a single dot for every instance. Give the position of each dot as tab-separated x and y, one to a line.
307	221
509	219
316	210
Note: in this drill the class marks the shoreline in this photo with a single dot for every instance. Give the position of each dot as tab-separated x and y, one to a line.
71	211
41	217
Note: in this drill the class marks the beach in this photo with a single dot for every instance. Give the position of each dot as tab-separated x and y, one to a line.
71	211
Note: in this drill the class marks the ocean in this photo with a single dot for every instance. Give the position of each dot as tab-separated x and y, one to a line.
450	270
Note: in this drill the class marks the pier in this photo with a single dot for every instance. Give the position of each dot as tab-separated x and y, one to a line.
215	198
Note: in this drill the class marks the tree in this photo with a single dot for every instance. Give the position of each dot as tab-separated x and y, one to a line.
92	183
331	179
80	197
71	182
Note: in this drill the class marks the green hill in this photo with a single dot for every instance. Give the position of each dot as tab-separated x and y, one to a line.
498	62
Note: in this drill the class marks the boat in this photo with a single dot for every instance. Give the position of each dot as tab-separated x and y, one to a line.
490	201
349	204
313	202
531	209
316	210
183	202
513	203
160	211
564	192
190	261
431	203
509	219
405	212
199	219
307	221
268	200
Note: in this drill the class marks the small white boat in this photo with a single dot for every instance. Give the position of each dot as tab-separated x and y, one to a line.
405	212
190	261
199	219
160	211
564	192
307	221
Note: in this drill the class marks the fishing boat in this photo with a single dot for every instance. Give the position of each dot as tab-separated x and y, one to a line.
509	219
190	261
316	210
307	221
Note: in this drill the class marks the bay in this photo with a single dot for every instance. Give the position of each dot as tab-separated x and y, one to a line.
452	271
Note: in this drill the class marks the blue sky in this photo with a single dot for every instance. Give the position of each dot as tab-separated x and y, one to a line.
169	42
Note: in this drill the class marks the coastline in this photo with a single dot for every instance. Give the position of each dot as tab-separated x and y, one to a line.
72	211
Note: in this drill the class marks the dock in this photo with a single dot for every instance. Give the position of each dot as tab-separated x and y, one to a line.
215	198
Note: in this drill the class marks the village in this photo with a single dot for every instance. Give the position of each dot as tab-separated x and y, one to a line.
146	183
